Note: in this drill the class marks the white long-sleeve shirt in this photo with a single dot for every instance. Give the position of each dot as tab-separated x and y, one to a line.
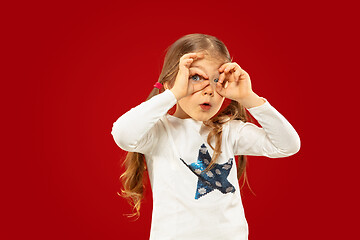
188	204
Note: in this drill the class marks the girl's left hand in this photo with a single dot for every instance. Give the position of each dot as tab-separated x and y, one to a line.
234	83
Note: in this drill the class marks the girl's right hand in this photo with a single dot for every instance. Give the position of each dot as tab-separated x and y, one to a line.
182	86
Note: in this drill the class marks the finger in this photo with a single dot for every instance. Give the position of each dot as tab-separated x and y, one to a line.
195	55
186	62
200	55
237	75
223	67
221	78
198	71
220	89
185	59
201	85
188	55
229	68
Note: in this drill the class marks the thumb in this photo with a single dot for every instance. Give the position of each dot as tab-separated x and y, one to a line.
201	85
220	89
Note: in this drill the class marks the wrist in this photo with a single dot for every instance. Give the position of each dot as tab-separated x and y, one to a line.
177	95
250	101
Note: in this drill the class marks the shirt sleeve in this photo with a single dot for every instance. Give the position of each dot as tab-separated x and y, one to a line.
135	130
275	138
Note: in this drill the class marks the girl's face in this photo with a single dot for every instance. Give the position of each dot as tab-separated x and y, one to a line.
204	104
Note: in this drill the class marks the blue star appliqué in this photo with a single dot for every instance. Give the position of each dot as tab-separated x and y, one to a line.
212	179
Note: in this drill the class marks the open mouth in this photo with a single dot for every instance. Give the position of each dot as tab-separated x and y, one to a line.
205	106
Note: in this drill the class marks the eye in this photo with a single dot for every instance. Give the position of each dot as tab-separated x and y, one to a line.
195	77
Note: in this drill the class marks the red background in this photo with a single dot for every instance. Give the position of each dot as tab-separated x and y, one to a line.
72	68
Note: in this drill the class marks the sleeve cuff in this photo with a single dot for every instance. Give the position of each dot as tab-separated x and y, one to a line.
171	96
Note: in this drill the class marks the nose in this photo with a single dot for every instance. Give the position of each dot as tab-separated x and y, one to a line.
208	90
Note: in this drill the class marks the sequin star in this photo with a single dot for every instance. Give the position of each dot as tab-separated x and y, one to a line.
216	178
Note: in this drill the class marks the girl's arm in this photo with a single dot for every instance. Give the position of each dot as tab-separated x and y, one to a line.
135	131
277	138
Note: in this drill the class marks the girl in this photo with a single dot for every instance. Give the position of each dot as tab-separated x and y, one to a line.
190	155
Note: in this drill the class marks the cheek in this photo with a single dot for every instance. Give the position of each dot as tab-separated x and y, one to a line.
185	102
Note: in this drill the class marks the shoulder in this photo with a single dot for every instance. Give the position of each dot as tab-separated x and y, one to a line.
239	128
235	124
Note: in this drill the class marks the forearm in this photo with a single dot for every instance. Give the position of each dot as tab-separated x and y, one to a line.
280	134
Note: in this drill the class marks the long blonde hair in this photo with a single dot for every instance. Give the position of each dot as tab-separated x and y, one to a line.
135	165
